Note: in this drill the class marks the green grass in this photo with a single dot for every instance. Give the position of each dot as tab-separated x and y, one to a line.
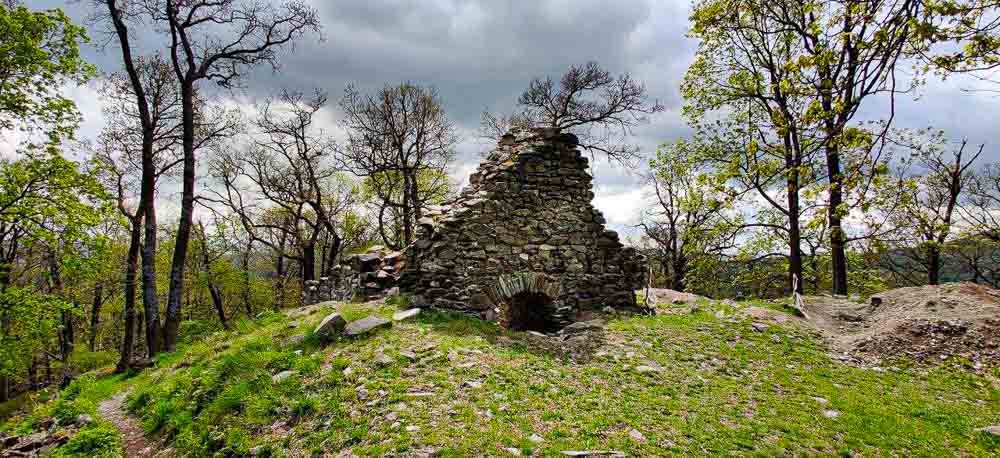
723	389
474	389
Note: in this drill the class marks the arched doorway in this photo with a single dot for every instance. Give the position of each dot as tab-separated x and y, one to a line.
528	311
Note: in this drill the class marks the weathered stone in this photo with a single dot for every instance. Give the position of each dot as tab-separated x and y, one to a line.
992	430
331	326
405	314
280	376
356	328
583	326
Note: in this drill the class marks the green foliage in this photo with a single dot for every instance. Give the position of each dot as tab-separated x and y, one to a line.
101	440
86	361
39	53
49	197
32	322
194	330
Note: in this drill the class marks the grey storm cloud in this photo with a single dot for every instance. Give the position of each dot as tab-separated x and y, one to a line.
481	54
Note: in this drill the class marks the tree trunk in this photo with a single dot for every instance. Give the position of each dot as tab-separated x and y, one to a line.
150	299
213	289
176	292
279	285
679	271
407	211
933	264
794	236
66	338
308	261
95	314
128	340
838	248
332	252
245	265
414	202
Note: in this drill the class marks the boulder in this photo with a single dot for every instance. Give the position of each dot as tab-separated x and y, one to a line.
331	326
582	326
405	314
992	430
364	325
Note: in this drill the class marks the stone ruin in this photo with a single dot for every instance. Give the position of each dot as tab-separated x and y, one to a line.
367	275
522	244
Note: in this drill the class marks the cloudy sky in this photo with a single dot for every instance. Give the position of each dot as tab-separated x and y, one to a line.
482	53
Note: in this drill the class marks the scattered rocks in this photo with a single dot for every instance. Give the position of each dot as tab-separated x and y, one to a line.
383	360
992	430
409	355
831	414
84	419
759	327
648	366
364	325
331	326
638	436
535	438
582	453
281	376
582	327
405	314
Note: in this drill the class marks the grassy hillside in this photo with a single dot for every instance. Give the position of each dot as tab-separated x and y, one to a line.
678	383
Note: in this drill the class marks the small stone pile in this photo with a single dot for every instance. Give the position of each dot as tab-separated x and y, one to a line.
368	275
49	436
522	244
377	270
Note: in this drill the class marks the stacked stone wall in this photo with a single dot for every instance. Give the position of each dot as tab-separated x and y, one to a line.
525	224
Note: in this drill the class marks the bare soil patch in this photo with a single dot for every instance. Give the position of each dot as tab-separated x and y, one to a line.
925	323
134	440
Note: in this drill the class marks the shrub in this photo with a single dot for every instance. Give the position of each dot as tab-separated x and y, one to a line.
195	330
87	361
66	411
100	440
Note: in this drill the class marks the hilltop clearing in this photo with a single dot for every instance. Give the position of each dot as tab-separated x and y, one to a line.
710	381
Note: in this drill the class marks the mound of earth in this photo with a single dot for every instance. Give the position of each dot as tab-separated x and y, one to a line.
925	323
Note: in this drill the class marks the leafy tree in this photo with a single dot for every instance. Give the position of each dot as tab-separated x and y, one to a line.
689	220
933	182
39	53
811	65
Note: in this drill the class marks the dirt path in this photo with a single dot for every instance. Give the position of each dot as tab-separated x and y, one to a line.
134	440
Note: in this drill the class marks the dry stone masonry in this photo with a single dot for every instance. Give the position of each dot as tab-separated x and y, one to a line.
522	244
366	275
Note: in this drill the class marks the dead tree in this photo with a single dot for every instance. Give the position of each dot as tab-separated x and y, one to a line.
589	101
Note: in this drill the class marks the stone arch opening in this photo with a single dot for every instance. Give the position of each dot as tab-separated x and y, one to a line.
528	311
